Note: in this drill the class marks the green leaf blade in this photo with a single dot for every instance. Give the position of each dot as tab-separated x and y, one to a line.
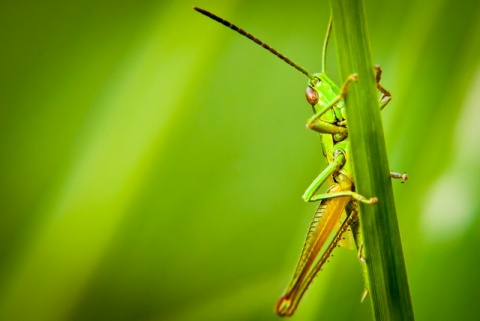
386	275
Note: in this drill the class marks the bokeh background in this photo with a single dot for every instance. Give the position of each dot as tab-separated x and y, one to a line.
152	161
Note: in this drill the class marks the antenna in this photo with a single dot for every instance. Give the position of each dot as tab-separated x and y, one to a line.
256	40
325	44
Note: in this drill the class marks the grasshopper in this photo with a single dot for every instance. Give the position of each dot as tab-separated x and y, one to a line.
337	210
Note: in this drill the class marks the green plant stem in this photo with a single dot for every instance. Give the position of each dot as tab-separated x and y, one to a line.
386	275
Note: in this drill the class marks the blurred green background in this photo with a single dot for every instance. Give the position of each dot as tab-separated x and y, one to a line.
153	161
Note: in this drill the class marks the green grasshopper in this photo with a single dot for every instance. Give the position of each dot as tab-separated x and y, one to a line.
338	204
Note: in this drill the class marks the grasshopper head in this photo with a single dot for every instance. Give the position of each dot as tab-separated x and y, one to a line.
320	88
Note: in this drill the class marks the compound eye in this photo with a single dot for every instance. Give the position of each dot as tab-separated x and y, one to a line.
312	96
